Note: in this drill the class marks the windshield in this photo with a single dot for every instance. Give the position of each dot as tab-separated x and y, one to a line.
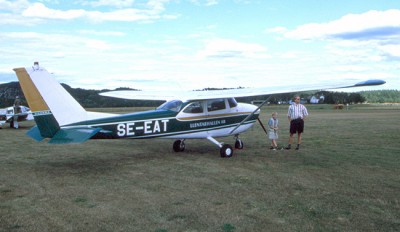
174	105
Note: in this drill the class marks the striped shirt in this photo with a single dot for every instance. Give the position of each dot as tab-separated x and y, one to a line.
297	111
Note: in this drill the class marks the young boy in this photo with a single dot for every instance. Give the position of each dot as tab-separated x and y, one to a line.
273	130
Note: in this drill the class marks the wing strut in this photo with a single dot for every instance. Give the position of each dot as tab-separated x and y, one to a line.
262	125
250	115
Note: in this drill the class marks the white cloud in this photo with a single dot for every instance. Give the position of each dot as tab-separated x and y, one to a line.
364	26
13	19
102	33
211	2
10	13
391	49
279	30
117	54
153	10
205	2
225	48
157	5
127	15
39	10
13	6
118	4
372	35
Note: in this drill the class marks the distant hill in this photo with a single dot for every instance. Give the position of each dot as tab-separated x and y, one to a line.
87	98
8	92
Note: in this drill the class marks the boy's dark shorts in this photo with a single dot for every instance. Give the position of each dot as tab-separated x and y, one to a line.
296	126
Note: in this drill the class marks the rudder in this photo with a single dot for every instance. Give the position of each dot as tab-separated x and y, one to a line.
51	105
45	120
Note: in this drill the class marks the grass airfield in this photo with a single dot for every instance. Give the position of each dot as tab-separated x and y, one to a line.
345	177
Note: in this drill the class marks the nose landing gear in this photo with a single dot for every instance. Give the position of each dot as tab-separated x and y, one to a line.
239	143
226	150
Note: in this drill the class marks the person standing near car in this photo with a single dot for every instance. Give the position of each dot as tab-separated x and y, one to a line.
297	113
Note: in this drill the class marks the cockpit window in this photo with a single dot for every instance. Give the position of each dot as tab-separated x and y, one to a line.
194	108
174	105
232	102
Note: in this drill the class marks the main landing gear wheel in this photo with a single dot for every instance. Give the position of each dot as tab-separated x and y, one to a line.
239	144
226	151
179	146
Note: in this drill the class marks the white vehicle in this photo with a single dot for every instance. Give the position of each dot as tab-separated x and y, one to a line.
185	115
13	115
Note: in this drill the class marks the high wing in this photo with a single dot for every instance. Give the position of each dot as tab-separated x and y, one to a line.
243	92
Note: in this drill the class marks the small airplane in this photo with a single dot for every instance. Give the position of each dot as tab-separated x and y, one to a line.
184	115
14	114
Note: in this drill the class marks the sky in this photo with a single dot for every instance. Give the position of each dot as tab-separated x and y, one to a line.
195	44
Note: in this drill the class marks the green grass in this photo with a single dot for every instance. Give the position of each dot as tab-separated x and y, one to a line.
345	178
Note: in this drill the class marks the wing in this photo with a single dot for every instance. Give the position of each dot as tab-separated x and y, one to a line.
244	92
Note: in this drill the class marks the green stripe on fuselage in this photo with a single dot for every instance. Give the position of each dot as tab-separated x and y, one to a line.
159	123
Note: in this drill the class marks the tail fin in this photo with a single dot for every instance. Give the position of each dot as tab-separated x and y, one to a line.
51	105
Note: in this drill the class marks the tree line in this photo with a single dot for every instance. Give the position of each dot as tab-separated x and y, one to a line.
333	97
92	99
382	96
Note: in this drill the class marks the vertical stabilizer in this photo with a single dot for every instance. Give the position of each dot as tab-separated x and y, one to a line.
51	105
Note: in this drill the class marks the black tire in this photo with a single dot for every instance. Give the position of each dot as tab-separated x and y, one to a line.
179	146
226	151
239	144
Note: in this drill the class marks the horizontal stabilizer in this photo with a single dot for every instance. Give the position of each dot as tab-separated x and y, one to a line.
75	135
34	133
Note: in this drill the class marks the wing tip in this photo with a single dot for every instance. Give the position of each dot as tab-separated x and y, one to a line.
370	82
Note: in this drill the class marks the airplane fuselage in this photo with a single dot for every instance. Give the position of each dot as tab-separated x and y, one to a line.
187	122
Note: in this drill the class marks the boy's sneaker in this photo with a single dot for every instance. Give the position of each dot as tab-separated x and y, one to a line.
298	147
288	147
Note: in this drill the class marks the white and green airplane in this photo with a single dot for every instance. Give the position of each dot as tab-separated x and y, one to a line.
184	115
14	114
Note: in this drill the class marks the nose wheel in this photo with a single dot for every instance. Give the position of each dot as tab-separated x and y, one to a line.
239	144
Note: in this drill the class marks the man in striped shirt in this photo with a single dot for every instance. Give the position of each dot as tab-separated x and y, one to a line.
296	115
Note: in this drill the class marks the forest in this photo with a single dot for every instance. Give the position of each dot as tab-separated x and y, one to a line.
92	99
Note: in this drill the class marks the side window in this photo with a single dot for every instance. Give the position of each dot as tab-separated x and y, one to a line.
194	108
216	104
